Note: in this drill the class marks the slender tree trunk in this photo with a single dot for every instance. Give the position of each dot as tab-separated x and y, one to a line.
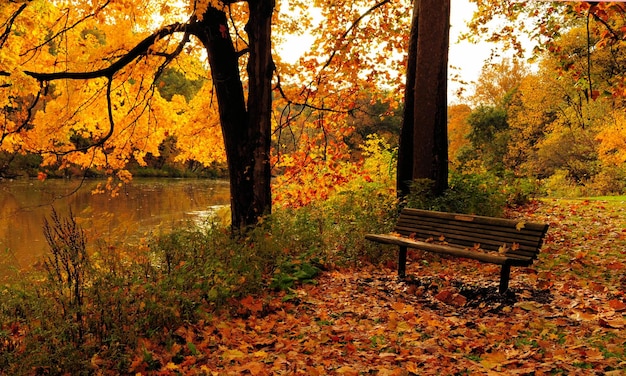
246	129
405	150
424	130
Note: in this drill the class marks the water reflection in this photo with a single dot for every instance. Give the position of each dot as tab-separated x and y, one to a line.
146	206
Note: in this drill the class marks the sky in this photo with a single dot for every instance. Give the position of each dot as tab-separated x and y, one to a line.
469	58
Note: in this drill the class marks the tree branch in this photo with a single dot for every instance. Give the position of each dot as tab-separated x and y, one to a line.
328	62
108	72
67	28
9	24
354	24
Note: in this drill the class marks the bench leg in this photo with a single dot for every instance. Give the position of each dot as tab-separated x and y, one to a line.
505	274
402	262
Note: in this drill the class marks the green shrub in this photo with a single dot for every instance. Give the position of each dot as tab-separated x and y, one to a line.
468	193
610	181
520	191
560	185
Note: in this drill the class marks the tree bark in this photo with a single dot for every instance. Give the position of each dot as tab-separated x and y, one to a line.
246	129
424	138
430	138
405	150
260	71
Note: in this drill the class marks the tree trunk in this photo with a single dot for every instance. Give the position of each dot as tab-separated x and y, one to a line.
424	134
246	129
260	70
405	150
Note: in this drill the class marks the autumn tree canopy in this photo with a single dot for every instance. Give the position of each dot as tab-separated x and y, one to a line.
562	122
80	83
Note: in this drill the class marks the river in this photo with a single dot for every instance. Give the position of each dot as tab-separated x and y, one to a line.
143	208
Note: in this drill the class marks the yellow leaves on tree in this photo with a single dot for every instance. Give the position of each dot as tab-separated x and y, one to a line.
458	129
612	139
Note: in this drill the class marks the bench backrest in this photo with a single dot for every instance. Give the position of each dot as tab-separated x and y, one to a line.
517	238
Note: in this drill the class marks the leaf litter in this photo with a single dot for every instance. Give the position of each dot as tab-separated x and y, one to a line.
563	315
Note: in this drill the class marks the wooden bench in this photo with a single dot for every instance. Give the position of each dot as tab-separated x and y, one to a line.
498	241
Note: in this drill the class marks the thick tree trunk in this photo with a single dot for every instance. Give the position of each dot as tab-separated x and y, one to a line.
430	138
246	129
424	134
260	70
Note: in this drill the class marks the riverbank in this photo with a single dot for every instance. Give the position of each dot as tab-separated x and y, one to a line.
565	314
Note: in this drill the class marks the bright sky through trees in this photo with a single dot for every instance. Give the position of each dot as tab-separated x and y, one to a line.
466	59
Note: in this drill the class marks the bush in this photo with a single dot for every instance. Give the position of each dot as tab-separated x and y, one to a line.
560	185
92	313
610	181
466	193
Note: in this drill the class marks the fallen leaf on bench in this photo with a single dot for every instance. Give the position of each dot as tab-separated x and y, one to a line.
520	225
503	249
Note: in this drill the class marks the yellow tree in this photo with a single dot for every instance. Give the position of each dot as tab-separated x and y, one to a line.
79	79
498	81
458	129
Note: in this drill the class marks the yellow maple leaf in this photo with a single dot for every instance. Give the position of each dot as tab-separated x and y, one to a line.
171	366
520	225
503	249
233	354
493	360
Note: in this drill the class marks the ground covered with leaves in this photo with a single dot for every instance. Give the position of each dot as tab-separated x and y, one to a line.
564	315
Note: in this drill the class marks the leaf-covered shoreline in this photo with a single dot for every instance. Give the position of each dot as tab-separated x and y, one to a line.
564	315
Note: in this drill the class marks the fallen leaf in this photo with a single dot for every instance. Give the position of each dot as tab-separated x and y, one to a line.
254	306
614	323
255	368
529	305
348	371
492	360
617	305
233	354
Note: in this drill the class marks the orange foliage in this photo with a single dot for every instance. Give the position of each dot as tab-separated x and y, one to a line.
458	129
612	140
107	122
